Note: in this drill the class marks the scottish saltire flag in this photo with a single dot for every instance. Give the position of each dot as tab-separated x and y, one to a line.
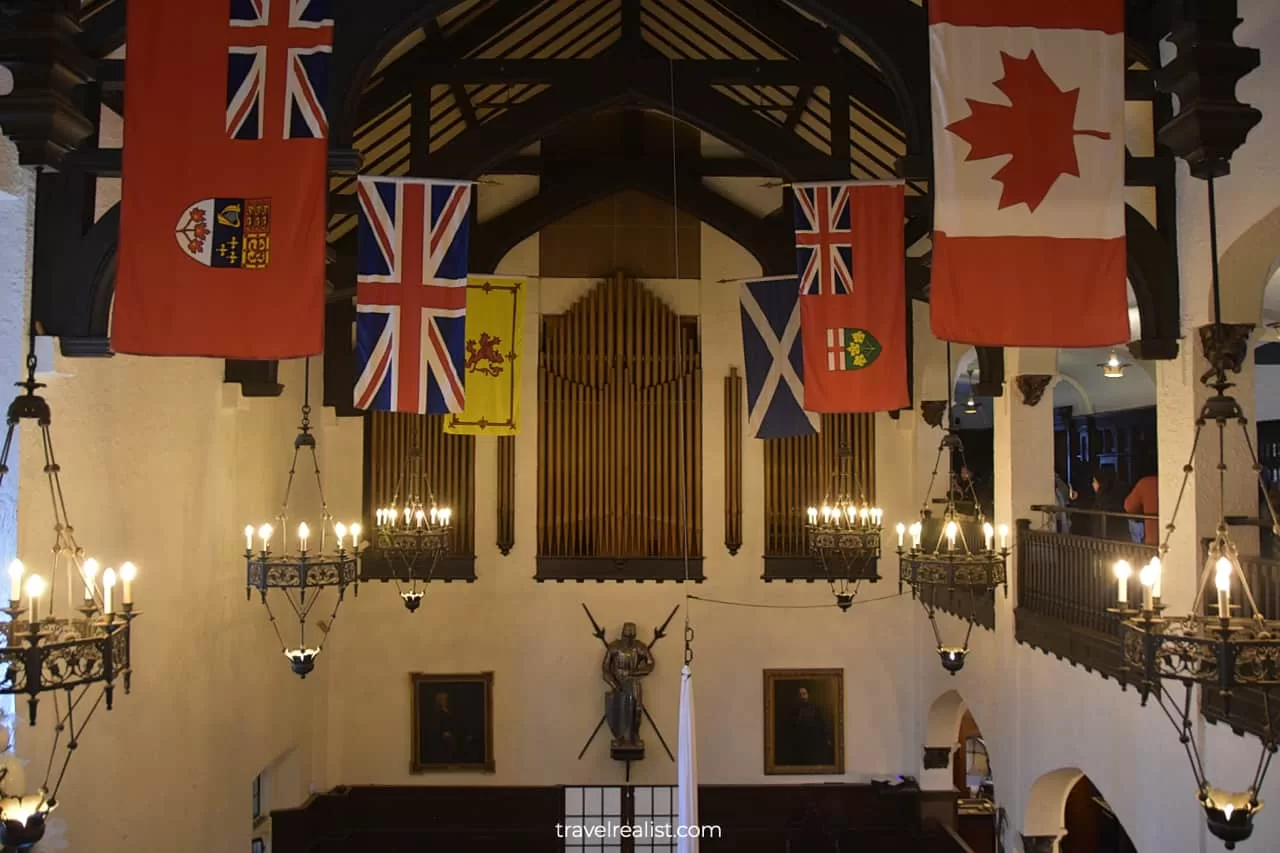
774	360
278	61
824	240
411	295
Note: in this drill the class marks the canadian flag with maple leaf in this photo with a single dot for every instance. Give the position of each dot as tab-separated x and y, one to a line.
1028	142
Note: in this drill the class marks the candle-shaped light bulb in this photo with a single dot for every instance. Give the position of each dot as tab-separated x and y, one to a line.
264	533
1003	530
16	570
826	514
248	537
877	515
420	516
108	583
35	589
90	572
987	533
377	518
1123	571
407	516
863	515
303	533
813	515
1223	583
340	530
902	531
916	530
1147	577
1156	587
952	528
127	573
355	535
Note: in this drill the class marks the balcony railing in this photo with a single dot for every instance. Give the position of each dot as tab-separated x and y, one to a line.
1065	585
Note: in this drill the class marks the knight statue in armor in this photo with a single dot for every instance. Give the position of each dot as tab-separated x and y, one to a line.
627	660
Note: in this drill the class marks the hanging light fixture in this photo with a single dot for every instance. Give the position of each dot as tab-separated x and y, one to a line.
1112	368
845	533
954	560
301	574
48	651
1210	647
412	531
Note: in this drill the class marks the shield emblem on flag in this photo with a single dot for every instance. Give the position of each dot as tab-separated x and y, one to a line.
232	233
851	349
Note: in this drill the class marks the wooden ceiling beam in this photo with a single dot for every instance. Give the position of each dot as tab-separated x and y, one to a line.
762	72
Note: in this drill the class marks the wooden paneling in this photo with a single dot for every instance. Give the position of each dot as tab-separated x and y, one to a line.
733	461
448	467
797	475
619	433
752	819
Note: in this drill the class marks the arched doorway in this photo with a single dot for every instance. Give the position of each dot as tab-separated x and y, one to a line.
1066	813
957	779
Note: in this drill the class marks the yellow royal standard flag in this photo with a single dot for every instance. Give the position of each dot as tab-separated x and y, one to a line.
495	313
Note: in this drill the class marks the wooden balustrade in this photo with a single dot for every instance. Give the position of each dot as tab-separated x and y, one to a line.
1065	585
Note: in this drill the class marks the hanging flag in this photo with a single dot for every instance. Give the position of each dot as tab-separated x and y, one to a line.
1028	146
686	767
411	295
853	296
774	361
495	314
222	219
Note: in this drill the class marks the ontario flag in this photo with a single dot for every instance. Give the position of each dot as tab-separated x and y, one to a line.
853	296
222	222
411	295
1028	142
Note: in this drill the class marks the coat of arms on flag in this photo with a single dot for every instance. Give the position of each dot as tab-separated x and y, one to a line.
411	295
851	349
774	362
495	316
227	232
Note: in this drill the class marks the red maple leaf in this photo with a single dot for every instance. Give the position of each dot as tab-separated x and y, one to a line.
1037	129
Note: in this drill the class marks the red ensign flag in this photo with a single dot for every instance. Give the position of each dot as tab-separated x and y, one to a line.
1028	147
222	221
853	296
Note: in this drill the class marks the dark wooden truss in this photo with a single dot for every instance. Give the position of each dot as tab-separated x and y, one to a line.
800	89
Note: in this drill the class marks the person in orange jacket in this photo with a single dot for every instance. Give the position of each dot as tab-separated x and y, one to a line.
1144	499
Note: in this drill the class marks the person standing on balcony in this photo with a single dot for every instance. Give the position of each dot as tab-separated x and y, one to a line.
1144	499
1108	496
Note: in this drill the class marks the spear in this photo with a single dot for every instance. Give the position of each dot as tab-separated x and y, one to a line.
659	633
599	632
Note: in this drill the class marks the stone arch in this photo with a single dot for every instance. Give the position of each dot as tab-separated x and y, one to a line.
1246	266
943	723
1081	391
1047	802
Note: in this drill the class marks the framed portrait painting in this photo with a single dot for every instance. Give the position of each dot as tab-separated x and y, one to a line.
803	721
452	722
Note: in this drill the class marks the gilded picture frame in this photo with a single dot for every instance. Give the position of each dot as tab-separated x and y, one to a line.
803	722
451	724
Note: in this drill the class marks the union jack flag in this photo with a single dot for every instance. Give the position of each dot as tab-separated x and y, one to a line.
411	295
282	71
824	240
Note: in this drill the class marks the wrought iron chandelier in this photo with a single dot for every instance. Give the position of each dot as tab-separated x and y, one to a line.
1209	647
412	531
47	652
954	561
301	574
844	534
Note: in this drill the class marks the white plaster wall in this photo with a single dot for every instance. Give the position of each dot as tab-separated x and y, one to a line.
163	464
